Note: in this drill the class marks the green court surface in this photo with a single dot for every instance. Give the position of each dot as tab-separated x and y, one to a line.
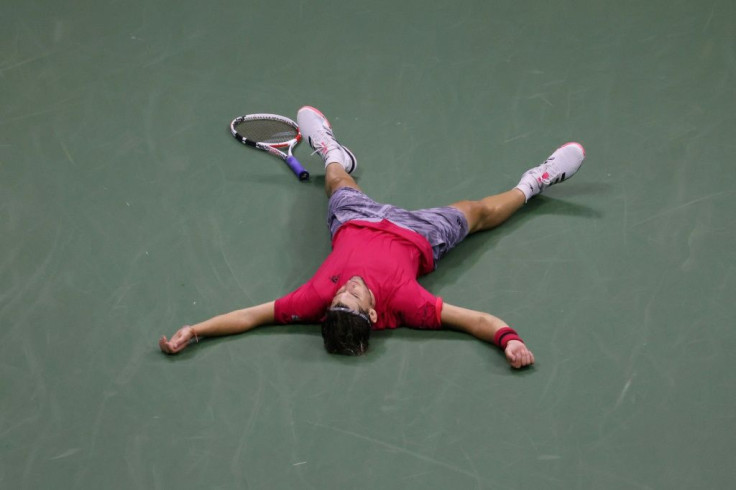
127	210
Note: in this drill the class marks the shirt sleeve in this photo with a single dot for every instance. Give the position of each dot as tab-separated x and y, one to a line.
416	307
303	305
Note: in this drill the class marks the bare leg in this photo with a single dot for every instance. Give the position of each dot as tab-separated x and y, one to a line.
491	211
336	177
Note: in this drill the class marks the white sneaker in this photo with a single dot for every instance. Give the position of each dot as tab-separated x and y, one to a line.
560	166
316	129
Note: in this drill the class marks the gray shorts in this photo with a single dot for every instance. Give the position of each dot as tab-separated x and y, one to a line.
443	227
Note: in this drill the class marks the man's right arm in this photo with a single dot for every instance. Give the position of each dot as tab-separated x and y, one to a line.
235	322
486	327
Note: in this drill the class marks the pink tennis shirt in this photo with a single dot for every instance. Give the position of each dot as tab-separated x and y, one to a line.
389	258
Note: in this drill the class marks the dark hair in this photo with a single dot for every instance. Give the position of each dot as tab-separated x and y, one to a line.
346	332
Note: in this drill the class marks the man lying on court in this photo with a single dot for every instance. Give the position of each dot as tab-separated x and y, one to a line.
369	280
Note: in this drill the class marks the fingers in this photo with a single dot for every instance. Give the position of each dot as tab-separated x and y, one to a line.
164	345
519	356
524	359
170	347
177	343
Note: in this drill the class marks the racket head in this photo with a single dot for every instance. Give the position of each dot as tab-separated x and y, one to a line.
267	129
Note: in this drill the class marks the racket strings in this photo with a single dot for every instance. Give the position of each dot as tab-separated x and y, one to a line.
266	131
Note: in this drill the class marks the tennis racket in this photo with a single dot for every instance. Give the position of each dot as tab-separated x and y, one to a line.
271	133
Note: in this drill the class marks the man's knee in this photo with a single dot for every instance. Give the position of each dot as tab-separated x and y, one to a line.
473	212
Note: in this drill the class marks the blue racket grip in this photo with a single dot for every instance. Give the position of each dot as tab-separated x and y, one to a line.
297	168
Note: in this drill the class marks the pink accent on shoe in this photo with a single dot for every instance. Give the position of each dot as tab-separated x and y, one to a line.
575	143
318	112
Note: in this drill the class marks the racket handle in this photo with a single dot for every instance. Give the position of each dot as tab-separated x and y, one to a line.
297	168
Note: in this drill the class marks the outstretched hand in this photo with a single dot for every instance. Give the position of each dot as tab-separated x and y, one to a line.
179	341
518	355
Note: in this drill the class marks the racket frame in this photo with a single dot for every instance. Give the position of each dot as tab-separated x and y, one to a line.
273	148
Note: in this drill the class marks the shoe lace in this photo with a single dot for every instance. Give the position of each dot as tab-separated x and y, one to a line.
538	172
550	168
324	147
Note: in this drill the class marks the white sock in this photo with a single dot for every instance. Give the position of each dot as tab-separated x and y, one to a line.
335	156
528	186
342	156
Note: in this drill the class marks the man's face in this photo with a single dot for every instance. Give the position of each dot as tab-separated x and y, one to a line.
354	294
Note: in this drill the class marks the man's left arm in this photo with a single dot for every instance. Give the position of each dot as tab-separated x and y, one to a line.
490	329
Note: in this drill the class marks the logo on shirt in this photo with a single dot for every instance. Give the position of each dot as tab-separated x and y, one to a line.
334	279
